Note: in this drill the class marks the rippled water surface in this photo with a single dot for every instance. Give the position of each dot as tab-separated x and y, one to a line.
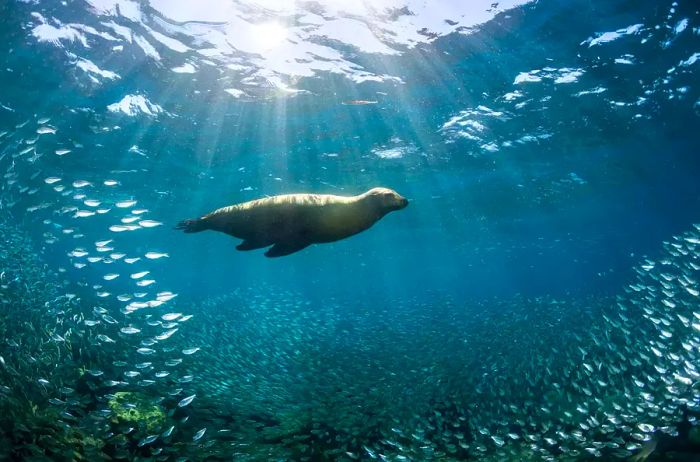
537	300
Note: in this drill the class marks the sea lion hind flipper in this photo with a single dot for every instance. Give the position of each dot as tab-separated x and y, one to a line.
281	249
251	245
193	225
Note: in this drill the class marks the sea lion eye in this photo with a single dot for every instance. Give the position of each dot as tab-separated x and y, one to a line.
390	199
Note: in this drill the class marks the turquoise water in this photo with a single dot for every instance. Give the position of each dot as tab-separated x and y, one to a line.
537	300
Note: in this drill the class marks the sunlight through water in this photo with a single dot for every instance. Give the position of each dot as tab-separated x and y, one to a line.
269	35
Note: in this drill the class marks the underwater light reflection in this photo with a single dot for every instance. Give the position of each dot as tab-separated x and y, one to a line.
268	35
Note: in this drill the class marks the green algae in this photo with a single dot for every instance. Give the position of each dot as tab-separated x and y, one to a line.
137	409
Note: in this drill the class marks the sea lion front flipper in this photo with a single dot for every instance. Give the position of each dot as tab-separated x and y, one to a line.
281	249
251	245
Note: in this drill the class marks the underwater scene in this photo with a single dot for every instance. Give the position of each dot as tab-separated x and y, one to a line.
348	230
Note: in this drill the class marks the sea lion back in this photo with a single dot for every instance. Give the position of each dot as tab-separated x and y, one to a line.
269	216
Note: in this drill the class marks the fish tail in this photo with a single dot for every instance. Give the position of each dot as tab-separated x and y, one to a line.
193	225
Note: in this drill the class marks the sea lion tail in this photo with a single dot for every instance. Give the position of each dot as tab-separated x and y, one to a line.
193	225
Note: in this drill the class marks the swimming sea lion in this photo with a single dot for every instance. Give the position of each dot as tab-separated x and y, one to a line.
291	222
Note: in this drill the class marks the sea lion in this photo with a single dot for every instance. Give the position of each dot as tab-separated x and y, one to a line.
292	222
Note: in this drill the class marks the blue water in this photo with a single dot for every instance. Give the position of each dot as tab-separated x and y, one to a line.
547	148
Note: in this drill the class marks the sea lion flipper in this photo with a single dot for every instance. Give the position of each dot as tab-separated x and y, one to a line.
193	225
282	249
251	245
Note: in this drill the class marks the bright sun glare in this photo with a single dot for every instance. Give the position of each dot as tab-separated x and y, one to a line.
269	35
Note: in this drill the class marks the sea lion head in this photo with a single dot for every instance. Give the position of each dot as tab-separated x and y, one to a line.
386	200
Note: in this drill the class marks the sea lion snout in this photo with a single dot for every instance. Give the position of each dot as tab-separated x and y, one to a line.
388	199
403	202
399	202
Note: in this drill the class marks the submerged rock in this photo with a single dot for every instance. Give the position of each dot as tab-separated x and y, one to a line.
137	409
